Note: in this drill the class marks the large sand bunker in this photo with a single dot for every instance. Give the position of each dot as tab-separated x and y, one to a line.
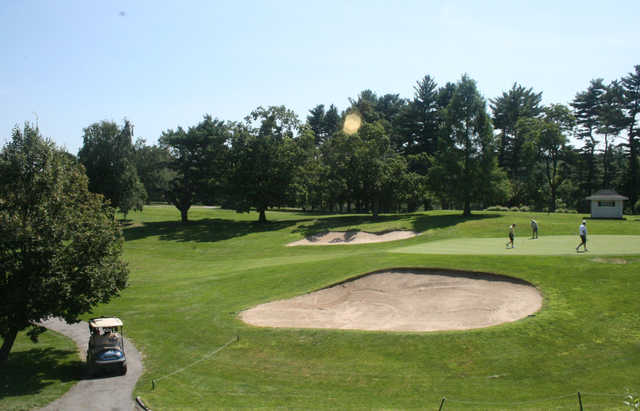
353	237
405	300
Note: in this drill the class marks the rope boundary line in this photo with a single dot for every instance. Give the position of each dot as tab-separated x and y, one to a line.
201	359
560	397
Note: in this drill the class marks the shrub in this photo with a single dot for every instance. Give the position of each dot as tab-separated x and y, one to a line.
566	211
496	208
514	208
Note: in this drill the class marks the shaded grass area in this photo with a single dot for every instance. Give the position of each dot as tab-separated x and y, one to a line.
189	282
207	229
37	374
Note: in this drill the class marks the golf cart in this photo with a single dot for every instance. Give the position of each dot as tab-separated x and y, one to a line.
106	346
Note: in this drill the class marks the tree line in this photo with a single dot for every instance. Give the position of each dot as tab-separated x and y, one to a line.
445	147
61	245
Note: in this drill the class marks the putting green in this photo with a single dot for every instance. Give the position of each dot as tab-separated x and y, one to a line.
551	245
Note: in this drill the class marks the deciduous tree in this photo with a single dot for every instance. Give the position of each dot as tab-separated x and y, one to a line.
549	134
152	164
199	159
107	155
264	158
60	244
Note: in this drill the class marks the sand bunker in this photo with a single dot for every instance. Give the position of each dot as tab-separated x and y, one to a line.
405	300
353	237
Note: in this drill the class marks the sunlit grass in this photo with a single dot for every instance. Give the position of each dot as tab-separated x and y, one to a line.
188	282
605	244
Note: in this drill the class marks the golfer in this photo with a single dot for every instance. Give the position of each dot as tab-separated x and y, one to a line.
512	234
583	235
534	228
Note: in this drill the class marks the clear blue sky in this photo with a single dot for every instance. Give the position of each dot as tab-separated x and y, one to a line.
162	64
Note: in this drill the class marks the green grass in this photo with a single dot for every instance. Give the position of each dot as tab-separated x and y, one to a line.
36	374
188	283
607	244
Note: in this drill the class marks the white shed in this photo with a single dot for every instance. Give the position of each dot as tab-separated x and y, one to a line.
606	204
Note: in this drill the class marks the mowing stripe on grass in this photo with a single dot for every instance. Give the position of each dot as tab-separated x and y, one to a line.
550	245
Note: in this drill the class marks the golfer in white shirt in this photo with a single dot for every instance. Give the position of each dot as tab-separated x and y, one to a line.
583	235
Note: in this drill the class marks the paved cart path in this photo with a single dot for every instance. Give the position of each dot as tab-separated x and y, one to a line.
102	393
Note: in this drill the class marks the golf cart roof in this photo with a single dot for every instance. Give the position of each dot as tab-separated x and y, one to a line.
105	322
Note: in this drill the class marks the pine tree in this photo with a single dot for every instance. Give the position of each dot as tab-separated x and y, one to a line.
586	109
465	167
631	85
517	103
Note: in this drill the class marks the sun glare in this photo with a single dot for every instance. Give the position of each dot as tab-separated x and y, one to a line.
352	123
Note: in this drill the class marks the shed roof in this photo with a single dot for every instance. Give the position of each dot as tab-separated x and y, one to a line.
606	195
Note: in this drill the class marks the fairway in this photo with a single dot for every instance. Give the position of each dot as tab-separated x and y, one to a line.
551	245
189	284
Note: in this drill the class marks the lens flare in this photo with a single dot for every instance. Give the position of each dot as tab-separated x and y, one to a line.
352	123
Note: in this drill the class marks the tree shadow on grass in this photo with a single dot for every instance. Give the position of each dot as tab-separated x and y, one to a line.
217	229
430	222
205	230
126	222
420	223
29	372
329	223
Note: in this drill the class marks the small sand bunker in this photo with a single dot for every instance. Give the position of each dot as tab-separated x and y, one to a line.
353	237
405	300
609	260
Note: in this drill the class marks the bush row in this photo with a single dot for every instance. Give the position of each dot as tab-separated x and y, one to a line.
526	209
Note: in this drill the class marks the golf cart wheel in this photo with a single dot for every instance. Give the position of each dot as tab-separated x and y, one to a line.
123	370
93	370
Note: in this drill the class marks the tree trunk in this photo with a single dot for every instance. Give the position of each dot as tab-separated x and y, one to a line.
554	195
7	344
263	216
467	207
633	172
184	215
605	165
591	173
375	208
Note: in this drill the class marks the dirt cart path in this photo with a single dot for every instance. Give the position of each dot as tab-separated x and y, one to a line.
102	393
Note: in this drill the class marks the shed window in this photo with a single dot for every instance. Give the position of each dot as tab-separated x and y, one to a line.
606	203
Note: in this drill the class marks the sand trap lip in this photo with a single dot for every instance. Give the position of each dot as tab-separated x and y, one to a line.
405	300
353	237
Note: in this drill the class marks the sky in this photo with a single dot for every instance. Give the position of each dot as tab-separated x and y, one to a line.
67	64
